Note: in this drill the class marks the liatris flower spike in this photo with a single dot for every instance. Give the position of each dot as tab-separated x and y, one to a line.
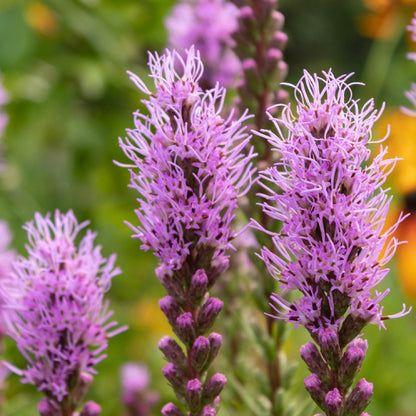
189	169
55	311
208	25
332	247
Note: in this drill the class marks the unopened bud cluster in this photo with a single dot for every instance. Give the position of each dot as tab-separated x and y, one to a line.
331	384
260	42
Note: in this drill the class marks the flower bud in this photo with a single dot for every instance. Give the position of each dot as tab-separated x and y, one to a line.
251	74
351	362
175	376
215	341
246	22
185	328
279	40
359	398
282	96
171	410
198	288
170	308
207	314
217	267
315	388
172	351
170	282
333	402
314	360
84	382
354	323
193	394
328	341
264	11
48	407
213	387
272	59
200	352
91	409
282	70
278	20
209	411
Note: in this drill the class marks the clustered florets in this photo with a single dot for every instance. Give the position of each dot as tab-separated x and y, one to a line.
54	305
188	163
332	207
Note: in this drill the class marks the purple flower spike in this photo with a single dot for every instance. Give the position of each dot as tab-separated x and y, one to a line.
208	25
55	308
189	166
332	247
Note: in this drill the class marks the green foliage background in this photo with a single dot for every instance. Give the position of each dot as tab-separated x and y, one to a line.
70	99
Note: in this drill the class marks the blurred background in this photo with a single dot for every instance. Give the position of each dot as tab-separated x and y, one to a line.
64	67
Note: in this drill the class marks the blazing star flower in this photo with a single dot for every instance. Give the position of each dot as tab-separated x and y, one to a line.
332	247
208	25
55	309
188	164
189	167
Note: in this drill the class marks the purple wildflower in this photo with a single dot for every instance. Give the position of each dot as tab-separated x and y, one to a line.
208	25
332	247
189	167
55	309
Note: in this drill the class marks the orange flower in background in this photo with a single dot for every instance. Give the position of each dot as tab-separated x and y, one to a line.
384	17
402	143
406	256
147	316
41	19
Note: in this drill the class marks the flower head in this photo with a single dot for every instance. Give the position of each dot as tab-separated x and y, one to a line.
208	25
188	163
333	208
54	304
